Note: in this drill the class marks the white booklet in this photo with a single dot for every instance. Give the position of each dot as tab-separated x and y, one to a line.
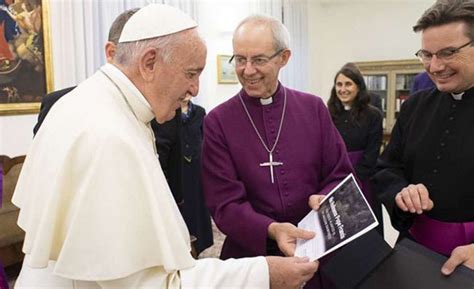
344	215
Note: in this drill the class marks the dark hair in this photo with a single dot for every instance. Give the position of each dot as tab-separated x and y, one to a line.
448	11
118	24
361	102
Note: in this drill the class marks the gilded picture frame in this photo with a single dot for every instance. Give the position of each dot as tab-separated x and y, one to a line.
26	72
225	70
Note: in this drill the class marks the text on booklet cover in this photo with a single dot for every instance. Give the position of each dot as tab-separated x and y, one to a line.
344	215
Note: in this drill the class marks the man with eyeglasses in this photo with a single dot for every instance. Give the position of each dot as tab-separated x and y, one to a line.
425	174
270	153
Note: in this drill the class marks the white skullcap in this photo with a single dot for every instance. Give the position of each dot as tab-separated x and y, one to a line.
155	20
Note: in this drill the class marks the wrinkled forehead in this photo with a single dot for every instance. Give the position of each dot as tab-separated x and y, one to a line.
188	42
191	54
253	39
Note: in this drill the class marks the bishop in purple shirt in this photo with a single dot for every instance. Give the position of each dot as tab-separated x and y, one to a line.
269	152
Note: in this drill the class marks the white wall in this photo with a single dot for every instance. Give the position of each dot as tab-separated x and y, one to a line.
16	133
316	46
343	31
217	20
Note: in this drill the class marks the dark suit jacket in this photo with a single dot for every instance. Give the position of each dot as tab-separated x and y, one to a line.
179	146
168	146
194	209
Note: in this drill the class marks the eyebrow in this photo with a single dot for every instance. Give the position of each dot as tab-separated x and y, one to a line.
195	69
445	48
255	56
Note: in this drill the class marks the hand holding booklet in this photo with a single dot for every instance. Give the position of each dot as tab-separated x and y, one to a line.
344	215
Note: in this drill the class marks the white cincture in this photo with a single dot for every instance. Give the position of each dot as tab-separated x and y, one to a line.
270	164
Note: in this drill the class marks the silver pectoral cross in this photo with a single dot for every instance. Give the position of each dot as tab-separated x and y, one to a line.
271	164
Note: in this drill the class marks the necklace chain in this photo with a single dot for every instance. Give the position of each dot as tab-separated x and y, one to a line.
270	151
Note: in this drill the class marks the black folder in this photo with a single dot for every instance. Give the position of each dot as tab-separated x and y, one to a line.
348	266
412	266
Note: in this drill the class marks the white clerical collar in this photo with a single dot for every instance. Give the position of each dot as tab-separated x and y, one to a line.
457	96
138	102
266	101
347	107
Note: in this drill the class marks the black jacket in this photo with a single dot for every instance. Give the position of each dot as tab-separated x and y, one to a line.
432	143
180	156
364	135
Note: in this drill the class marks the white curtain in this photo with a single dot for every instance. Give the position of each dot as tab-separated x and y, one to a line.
270	7
79	30
295	18
188	6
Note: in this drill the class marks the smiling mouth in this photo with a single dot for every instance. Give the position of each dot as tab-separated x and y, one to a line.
252	81
443	76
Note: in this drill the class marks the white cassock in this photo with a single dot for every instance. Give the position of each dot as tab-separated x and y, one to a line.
95	205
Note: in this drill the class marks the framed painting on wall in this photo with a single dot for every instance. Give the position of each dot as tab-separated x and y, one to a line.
25	60
225	70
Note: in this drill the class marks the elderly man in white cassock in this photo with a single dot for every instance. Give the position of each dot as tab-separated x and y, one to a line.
95	205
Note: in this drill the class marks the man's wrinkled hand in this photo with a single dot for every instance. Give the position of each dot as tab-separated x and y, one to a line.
414	199
290	272
285	234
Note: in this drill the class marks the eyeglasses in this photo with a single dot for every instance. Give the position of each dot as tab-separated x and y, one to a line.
257	61
443	54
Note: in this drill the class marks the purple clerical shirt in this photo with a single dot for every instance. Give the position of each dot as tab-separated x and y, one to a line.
239	192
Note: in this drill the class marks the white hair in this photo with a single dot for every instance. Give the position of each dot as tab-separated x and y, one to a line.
129	52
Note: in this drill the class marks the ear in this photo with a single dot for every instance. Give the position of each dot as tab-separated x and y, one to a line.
110	49
148	64
285	56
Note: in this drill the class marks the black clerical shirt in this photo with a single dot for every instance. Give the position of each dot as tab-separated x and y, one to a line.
432	143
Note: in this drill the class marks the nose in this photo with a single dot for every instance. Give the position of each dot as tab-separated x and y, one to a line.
435	65
194	87
249	68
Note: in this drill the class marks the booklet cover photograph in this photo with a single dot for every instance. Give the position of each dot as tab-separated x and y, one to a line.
344	215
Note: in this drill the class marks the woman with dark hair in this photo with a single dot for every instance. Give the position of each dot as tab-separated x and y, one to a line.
360	125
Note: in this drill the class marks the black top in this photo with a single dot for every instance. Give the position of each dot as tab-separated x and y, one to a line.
364	135
168	146
179	145
194	209
432	143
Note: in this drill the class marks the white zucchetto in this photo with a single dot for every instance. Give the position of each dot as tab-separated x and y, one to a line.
155	20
